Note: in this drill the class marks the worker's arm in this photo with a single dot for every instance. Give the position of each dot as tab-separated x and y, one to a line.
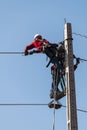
28	47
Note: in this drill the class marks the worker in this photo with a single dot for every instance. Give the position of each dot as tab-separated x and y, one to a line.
44	46
39	43
55	52
51	50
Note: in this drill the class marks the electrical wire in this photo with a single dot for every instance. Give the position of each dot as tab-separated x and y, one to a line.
85	111
31	104
11	52
80	35
21	104
82	110
16	53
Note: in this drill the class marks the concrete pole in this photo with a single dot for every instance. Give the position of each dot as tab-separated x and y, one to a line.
70	80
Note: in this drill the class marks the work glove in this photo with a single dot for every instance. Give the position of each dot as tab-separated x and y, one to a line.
26	53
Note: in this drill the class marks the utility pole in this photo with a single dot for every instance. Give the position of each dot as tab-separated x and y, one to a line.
70	80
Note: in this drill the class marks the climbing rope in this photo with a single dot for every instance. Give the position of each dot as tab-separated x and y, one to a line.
54	117
55	83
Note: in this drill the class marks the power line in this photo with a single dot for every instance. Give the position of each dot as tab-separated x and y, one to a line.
31	104
21	104
11	52
82	110
78	109
4	53
80	35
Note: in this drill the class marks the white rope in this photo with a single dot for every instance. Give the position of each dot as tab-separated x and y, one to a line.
54	117
55	90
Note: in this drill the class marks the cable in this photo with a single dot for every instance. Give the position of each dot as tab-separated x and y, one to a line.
11	52
21	104
82	110
28	104
80	35
85	111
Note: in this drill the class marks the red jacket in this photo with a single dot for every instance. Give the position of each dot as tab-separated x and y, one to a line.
36	44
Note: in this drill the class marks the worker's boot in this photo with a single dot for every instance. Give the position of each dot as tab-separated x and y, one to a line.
56	106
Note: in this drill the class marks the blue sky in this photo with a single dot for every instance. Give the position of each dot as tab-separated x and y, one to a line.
26	79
